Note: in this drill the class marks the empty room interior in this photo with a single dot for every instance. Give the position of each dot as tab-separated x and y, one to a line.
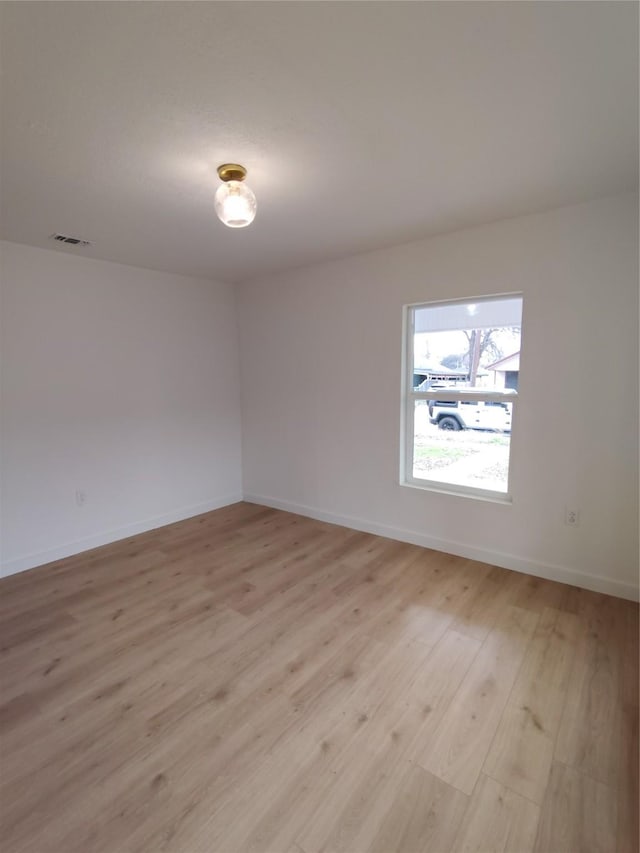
319	427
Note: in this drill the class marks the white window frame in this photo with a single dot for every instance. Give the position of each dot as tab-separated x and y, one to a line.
409	397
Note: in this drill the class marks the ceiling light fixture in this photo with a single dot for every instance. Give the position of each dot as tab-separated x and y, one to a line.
235	202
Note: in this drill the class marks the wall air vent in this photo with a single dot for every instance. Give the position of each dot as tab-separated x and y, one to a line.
71	241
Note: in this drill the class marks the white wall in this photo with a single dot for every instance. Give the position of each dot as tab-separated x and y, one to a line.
119	382
321	365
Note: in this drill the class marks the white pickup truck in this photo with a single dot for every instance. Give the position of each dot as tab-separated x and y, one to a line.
468	414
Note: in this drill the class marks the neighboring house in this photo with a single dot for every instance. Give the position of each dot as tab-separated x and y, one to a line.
424	377
506	371
427	376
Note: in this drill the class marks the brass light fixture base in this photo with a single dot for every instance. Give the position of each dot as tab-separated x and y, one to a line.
232	172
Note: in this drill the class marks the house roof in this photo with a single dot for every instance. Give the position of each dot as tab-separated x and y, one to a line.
509	362
440	369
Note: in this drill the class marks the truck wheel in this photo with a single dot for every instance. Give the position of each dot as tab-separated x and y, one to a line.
449	423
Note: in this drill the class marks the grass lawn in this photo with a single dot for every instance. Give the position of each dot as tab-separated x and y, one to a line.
442	452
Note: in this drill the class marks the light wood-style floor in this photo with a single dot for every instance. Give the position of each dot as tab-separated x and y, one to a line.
251	680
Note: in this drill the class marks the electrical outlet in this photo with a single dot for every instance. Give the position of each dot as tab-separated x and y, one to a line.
571	517
81	497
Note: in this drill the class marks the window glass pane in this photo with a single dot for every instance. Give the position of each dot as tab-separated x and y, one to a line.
467	344
467	445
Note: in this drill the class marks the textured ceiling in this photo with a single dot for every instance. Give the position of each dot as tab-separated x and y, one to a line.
361	124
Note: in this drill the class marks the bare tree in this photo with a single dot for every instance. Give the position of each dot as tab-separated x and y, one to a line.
455	360
482	343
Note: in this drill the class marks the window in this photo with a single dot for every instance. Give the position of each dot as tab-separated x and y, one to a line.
462	365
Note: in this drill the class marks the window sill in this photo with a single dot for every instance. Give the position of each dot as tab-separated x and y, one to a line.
459	491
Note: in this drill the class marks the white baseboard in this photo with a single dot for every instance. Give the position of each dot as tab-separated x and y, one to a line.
597	583
30	561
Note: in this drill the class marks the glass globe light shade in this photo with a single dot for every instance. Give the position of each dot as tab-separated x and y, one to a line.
235	204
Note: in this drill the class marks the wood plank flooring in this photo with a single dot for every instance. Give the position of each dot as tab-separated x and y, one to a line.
252	680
